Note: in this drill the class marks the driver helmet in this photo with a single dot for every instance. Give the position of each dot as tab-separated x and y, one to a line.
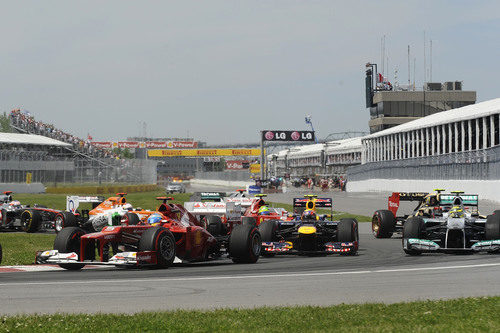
309	215
456	211
153	219
264	210
127	206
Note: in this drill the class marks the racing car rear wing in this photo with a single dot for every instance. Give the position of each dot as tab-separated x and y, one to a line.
231	210
215	196
396	197
467	199
73	202
319	202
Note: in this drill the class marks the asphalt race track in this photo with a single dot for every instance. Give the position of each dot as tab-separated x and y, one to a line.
380	273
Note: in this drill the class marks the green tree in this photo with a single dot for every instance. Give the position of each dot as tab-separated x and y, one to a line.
5	123
123	153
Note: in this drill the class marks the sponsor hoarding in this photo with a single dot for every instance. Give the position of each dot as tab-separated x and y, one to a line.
147	144
203	152
273	135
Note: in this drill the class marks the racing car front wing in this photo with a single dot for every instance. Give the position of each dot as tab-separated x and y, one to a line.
329	248
425	245
145	258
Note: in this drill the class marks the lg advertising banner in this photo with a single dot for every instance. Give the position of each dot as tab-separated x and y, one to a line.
272	135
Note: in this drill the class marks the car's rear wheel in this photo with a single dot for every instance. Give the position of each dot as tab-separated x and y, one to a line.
130	219
31	220
248	220
68	240
245	244
161	241
492	229
414	227
214	225
64	220
383	223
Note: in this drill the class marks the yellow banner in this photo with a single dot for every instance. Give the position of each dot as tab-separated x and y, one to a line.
254	168
29	177
203	152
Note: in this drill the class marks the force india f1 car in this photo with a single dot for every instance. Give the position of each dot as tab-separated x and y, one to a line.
456	228
385	222
309	233
176	233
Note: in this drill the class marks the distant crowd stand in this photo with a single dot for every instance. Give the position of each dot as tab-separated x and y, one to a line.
26	122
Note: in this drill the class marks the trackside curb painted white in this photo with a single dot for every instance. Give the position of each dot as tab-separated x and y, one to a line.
486	189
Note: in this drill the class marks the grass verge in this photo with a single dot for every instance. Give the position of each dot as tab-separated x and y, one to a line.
460	315
19	248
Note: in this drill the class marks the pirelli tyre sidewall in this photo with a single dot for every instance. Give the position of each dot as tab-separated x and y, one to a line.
492	228
414	227
68	240
64	220
162	242
31	220
130	219
383	223
248	220
245	244
214	225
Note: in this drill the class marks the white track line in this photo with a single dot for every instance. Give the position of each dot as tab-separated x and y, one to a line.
291	275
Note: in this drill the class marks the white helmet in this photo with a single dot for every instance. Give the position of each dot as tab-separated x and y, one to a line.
127	206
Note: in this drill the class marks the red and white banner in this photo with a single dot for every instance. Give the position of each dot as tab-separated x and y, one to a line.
237	164
101	144
147	144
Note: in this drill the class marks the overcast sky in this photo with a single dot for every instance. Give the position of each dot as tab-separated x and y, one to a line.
222	70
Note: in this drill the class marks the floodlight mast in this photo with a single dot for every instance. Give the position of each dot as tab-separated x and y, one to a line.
308	121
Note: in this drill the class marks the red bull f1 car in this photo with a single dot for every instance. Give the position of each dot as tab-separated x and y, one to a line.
174	233
309	233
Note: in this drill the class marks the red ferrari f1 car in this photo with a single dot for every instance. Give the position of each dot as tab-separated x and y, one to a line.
168	233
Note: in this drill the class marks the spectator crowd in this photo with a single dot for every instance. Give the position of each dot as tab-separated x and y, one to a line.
26	122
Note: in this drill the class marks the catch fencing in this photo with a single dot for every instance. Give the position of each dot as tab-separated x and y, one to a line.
471	165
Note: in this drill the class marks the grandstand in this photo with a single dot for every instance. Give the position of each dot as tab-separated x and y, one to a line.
456	149
331	159
71	159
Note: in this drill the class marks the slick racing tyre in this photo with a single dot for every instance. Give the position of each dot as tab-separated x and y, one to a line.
245	244
130	219
414	227
248	220
492	229
214	225
268	230
64	220
161	241
383	222
67	241
31	220
3	218
347	231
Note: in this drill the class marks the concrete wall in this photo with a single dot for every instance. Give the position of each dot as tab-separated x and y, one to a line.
22	188
486	189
